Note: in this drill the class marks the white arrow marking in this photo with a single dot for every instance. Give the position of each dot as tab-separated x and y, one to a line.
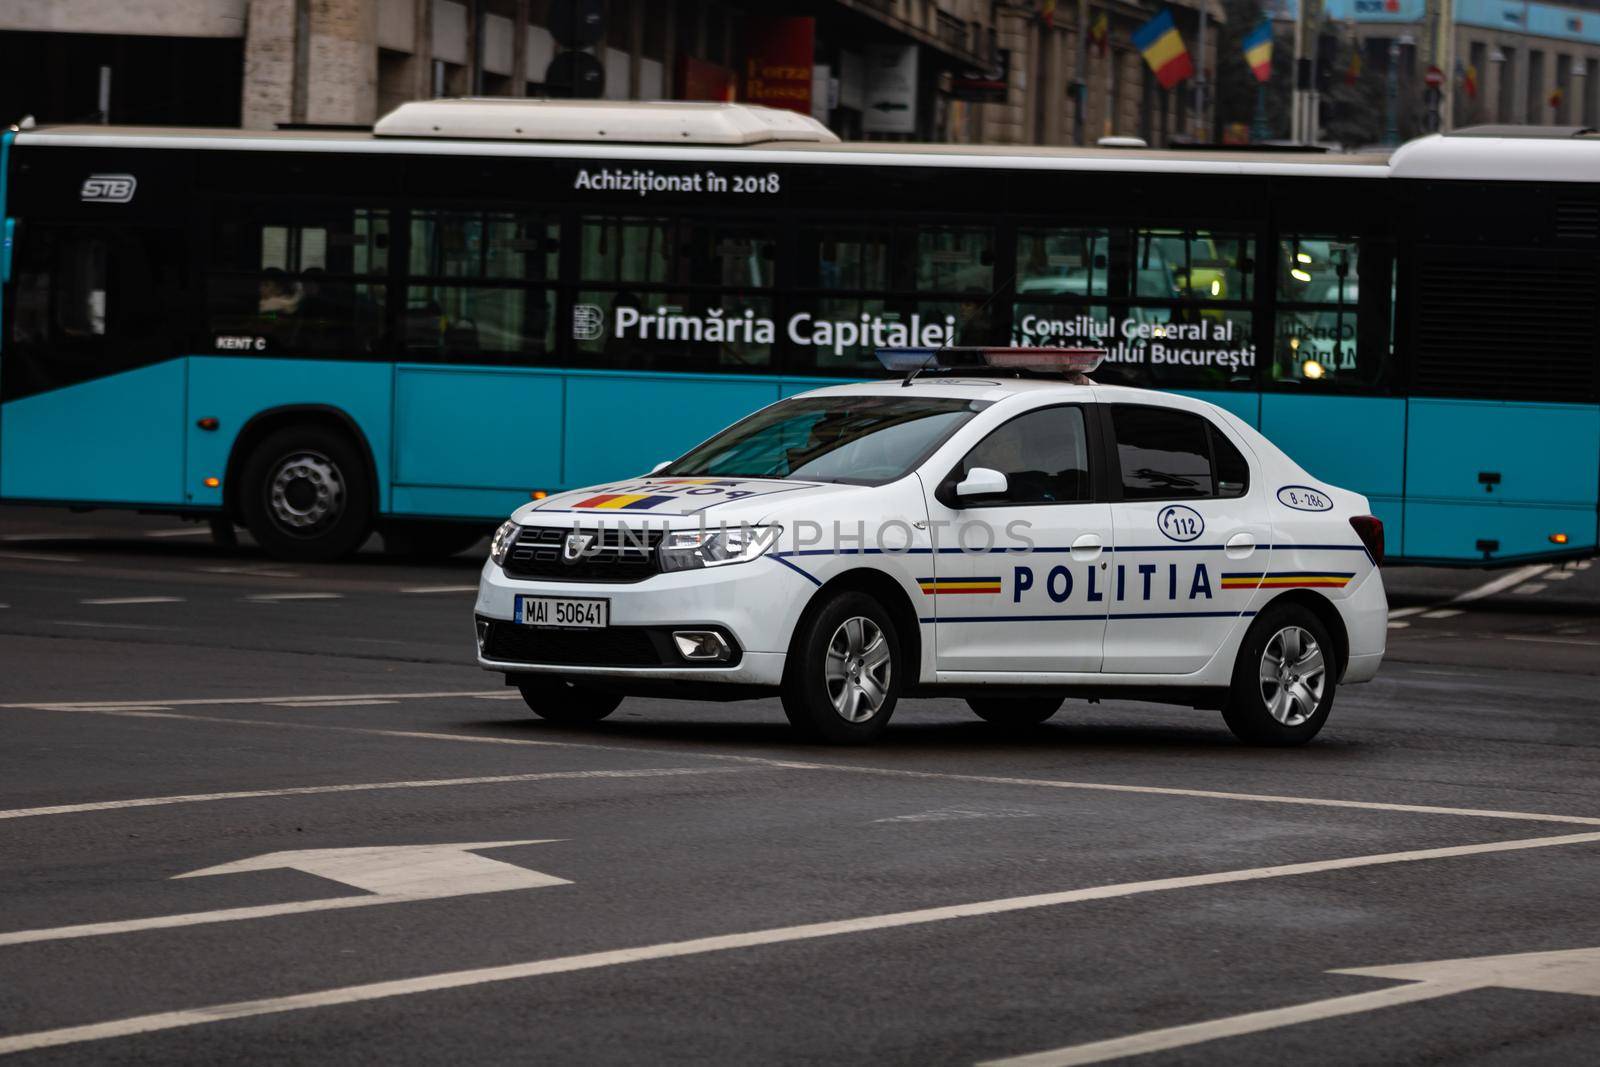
1575	971
392	873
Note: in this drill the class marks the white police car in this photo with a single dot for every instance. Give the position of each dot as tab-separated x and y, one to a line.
1010	541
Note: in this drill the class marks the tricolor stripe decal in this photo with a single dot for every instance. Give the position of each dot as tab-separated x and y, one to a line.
932	586
1287	580
612	501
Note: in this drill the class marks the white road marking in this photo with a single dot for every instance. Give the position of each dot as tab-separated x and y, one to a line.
1502	583
957	814
108	625
1400	613
1529	588
1572	971
513	695
356	994
5	605
441	589
1196	1033
187	531
133	600
356	787
392	873
253	572
1551	640
1398	625
331	703
844	768
1442	613
24	538
272	598
1561	575
43	557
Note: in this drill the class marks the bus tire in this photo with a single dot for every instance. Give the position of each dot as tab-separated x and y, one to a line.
844	671
1014	713
560	700
1284	678
421	539
305	495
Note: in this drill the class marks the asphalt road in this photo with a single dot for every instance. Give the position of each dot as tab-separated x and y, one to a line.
413	871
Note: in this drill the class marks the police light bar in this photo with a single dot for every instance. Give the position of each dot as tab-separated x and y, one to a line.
1043	360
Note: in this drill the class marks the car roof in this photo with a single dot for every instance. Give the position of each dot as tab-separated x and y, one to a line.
976	387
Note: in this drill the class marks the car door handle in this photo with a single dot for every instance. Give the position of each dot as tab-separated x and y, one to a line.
1240	545
1087	547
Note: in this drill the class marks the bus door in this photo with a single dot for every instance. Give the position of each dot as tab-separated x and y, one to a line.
92	394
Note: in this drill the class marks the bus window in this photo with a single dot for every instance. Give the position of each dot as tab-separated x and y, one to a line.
629	250
473	291
1062	262
298	279
1192	264
843	257
91	302
948	260
1319	340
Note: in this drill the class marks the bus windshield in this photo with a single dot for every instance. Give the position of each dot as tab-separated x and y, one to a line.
857	440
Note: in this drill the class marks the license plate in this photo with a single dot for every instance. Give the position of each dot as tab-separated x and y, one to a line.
562	611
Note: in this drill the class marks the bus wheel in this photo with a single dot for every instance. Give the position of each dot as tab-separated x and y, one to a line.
422	540
1283	680
305	495
842	677
1014	712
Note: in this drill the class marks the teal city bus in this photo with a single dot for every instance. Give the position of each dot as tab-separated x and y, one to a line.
316	334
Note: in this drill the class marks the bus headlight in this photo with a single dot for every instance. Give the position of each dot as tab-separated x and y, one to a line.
502	541
683	550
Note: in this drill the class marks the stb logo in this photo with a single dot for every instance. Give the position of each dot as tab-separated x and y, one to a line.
588	322
575	546
109	188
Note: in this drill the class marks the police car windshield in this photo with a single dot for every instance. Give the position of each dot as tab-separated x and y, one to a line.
860	440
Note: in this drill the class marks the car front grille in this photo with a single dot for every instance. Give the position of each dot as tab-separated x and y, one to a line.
615	646
615	555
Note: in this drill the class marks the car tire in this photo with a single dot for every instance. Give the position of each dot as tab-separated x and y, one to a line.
561	700
1014	713
305	496
425	540
844	672
1284	679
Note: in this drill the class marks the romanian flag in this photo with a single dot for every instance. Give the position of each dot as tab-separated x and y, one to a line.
1469	83
1100	33
1047	13
1556	96
623	500
1162	47
1258	51
1353	72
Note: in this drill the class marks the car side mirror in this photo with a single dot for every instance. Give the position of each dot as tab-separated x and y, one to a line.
663	465
981	481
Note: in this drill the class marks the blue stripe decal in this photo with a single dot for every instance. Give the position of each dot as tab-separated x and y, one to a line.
1098	618
808	577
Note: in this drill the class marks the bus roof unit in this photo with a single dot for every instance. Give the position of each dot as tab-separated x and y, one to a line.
630	122
1563	155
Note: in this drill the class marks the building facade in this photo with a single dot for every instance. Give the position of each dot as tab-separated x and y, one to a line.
976	71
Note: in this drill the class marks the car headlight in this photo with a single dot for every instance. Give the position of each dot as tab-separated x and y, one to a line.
683	550
502	541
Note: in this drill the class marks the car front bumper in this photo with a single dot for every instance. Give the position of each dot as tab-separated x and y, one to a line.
754	605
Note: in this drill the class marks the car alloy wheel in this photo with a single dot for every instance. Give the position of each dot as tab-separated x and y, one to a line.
1293	676
857	668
